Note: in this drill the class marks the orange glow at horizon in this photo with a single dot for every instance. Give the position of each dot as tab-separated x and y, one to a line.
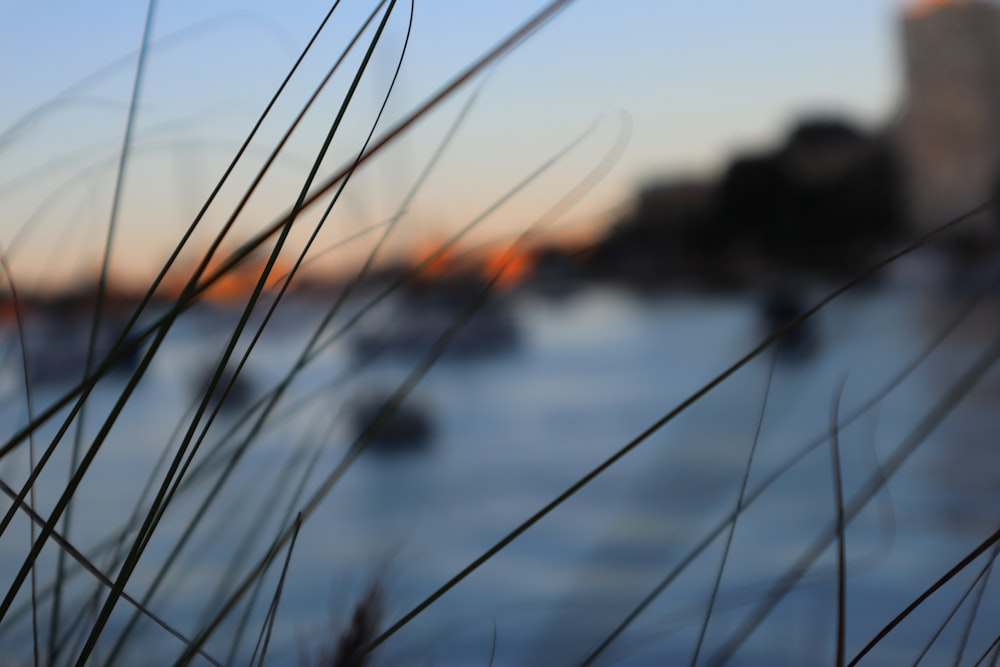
925	7
435	261
235	286
512	265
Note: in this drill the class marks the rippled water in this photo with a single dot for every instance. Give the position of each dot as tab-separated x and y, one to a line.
511	432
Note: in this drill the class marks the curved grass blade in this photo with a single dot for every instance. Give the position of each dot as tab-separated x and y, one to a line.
163	325
206	467
160	327
115	541
393	221
188	297
977	584
642	437
88	566
951	398
205	505
933	588
729	535
876	398
224	586
96	321
980	590
288	279
119	348
272	613
87	385
312	351
116	544
145	532
69	94
409	383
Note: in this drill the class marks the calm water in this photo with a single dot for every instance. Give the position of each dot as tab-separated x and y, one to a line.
589	374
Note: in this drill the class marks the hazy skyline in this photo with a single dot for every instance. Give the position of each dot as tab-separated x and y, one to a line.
698	80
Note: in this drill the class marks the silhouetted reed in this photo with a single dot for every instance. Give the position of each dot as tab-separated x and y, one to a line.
205	502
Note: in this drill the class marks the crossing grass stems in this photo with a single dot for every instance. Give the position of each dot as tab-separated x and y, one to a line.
69	627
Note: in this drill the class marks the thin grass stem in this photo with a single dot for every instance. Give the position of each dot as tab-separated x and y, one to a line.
933	588
993	648
272	613
396	398
29	405
159	505
195	289
984	580
717	581
225	586
950	398
974	585
838	499
96	321
656	426
94	571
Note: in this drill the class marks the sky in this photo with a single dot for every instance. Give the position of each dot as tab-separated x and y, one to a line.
689	83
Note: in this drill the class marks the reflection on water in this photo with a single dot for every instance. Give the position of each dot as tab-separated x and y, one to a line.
513	430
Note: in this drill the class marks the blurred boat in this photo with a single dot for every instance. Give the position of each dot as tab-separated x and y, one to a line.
409	428
239	392
57	346
414	327
780	306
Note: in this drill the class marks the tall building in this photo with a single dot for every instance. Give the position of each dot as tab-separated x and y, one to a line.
949	132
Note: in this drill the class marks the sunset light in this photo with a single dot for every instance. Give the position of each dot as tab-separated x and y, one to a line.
516	333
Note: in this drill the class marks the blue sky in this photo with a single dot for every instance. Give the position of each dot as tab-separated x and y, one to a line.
699	81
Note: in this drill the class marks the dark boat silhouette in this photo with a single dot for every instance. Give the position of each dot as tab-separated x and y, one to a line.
782	305
414	328
408	428
239	392
58	346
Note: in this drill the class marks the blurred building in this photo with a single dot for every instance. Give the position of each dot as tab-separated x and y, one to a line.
824	200
660	240
949	132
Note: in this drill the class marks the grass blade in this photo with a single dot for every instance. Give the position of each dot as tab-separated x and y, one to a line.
695	552
19	322
153	517
975	585
95	325
983	578
732	526
933	588
838	498
272	613
952	397
668	417
401	392
88	566
187	298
